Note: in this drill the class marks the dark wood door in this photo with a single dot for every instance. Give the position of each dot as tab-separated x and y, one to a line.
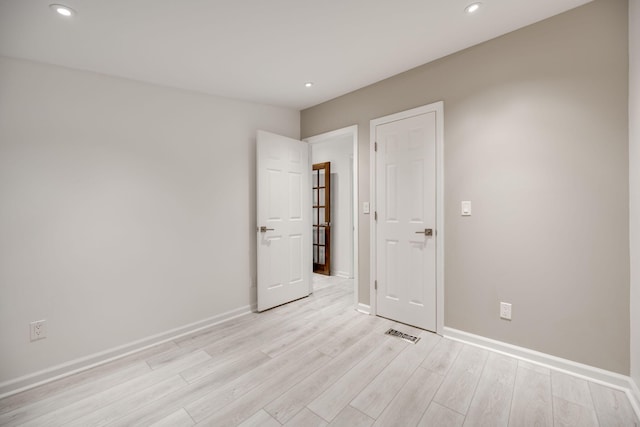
322	218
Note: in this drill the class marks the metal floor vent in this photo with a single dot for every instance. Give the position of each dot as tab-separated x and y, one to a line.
406	337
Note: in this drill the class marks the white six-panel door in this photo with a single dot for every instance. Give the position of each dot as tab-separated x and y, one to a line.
405	247
283	220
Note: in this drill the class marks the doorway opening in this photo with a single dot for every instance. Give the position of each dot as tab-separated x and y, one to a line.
340	149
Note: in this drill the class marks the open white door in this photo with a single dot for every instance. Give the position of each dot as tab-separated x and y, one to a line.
283	220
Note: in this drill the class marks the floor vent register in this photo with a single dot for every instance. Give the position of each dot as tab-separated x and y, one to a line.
402	336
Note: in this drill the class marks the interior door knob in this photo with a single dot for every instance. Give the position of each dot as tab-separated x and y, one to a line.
264	229
426	232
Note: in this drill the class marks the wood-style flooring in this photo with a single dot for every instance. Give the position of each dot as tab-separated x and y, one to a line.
317	362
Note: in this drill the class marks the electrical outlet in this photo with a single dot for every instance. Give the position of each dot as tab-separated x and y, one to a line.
505	310
38	330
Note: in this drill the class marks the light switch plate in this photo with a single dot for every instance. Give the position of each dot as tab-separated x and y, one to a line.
465	208
365	207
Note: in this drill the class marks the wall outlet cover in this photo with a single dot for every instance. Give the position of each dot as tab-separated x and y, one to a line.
38	330
505	310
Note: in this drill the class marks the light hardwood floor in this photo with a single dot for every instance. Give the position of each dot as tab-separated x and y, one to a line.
317	362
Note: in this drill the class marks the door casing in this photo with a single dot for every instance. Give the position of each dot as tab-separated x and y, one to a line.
438	108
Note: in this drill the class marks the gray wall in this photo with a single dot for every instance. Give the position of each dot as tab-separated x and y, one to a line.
126	210
536	135
634	182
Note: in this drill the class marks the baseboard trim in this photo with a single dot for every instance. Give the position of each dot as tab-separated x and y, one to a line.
54	373
363	308
341	274
635	396
587	372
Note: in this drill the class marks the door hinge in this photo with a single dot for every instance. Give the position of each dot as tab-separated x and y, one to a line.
375	146
375	285
375	215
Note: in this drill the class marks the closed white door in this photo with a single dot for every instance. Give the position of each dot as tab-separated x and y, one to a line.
283	220
406	212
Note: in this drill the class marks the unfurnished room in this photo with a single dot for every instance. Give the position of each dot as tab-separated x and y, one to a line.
337	213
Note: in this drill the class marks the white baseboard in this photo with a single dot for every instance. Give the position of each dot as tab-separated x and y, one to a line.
26	382
635	396
363	308
590	373
342	274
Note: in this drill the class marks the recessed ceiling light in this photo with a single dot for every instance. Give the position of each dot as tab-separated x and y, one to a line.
63	10
473	7
308	84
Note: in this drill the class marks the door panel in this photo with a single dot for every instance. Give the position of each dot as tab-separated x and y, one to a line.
406	197
416	279
283	220
295	193
392	259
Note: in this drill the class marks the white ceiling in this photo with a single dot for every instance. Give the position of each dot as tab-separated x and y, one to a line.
258	50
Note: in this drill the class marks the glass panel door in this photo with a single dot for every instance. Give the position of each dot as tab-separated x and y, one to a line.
321	217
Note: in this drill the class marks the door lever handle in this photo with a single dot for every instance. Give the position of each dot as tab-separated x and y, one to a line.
426	232
264	229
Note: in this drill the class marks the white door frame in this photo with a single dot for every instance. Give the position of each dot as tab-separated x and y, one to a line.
353	131
438	108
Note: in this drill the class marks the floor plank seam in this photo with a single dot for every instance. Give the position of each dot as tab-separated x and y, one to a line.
307	406
513	391
475	388
597	414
